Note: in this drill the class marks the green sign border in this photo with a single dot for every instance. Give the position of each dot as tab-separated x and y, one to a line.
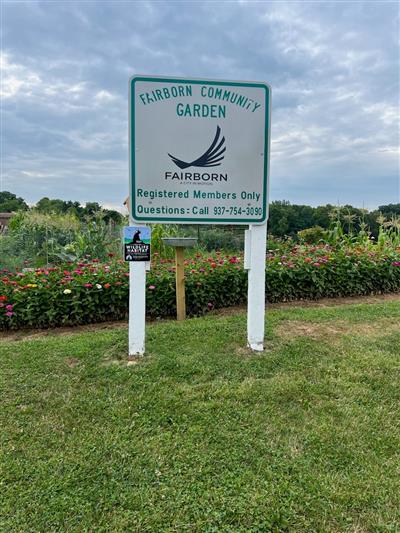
132	169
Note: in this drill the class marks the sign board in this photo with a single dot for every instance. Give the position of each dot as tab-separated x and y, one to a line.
137	243
199	150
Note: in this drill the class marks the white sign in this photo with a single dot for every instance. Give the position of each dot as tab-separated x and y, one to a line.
199	150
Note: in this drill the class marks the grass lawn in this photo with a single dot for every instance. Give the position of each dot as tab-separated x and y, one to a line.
201	435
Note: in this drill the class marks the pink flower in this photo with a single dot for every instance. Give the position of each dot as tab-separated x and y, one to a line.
396	263
9	307
152	287
88	285
9	313
316	264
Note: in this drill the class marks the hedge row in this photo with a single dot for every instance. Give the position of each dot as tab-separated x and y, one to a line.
93	292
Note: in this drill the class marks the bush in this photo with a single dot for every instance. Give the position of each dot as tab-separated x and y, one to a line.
91	291
312	235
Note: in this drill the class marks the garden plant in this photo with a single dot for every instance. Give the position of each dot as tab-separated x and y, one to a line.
90	291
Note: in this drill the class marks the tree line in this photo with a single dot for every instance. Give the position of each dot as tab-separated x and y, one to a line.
9	203
285	219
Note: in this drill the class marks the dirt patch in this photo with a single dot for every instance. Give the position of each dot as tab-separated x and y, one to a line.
123	361
245	351
337	328
323	302
29	334
72	362
331	302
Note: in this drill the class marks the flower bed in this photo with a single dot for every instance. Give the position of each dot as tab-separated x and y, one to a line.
91	291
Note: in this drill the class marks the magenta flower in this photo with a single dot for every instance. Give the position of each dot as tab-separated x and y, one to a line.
396	263
88	285
9	307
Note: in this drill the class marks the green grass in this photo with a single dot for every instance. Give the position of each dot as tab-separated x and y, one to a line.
201	435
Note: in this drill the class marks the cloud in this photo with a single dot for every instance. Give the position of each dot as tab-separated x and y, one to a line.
332	67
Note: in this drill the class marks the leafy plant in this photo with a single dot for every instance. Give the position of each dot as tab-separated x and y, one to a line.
93	291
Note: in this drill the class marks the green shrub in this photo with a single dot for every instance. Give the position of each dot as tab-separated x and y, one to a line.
312	235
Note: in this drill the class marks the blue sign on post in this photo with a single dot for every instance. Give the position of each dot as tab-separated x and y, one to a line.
137	243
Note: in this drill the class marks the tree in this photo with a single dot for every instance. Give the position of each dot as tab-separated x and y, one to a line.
390	210
45	205
9	203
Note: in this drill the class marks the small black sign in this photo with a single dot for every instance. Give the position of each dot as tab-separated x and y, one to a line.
137	243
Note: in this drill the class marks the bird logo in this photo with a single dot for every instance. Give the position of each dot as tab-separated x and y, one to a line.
211	157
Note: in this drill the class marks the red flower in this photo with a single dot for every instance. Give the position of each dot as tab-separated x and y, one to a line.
106	285
3	298
213	265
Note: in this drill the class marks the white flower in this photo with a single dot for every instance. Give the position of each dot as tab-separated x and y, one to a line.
67	291
98	286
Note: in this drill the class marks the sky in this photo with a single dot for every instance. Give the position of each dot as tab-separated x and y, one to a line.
332	66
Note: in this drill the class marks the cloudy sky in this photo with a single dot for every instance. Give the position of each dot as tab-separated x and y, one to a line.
333	68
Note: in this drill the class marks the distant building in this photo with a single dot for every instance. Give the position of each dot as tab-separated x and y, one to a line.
4	221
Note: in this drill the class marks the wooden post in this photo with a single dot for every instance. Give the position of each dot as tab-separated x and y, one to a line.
180	283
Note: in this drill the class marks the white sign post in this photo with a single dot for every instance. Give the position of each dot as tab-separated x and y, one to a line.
199	154
256	240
